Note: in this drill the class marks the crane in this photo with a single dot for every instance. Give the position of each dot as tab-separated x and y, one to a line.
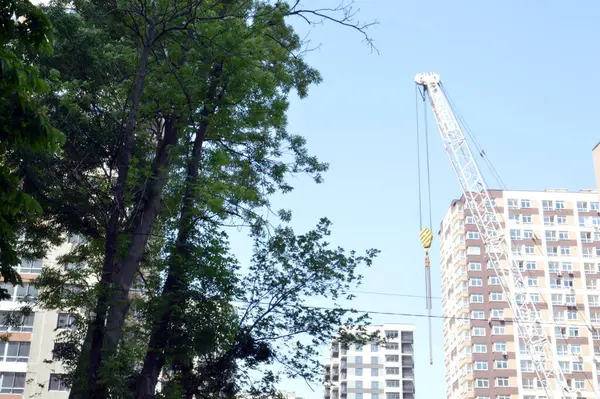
526	317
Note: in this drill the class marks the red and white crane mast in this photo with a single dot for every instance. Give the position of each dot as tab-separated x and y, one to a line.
527	318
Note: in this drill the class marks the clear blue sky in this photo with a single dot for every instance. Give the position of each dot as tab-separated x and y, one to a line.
523	75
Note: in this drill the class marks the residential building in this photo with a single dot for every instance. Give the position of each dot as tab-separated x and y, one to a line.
554	235
27	368
373	371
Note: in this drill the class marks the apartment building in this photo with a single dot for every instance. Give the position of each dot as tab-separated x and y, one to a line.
373	371
27	369
554	236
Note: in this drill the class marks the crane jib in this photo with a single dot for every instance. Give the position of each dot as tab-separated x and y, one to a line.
527	317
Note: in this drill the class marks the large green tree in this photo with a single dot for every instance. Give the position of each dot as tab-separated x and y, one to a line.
174	116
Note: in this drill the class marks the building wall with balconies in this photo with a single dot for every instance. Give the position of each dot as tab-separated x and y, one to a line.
373	371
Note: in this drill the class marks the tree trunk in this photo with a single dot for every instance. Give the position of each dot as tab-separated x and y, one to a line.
119	304
91	354
175	282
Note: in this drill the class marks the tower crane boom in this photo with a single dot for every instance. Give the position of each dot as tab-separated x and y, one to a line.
526	316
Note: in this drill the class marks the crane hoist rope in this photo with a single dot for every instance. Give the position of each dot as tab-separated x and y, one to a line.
489	225
425	233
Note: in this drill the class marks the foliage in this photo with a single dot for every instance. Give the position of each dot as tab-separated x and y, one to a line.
25	33
174	118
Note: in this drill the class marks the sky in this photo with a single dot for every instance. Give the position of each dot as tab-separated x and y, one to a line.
517	72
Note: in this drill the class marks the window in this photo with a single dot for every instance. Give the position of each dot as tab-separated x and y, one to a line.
552	251
392	370
66	320
31	266
392	383
476	298
374	372
572	315
561	219
480	348
500	364
501	381
530	265
582	206
577	366
527	233
573	331
358	395
472	235
589	268
499	346
478	315
570	300
374	348
476	282
496	296
525	203
391	345
391	333
470	220
575	349
390	358
585	236
529	250
14	352
498	330
564	366
374	384
493	280
497	313
481	365
358	359
392	395
528	383
474	266
594	206
482	383
594	300
563	235
12	383
553	267
549	220
479	331
57	383
374	359
512	203
559	205
535	297
526	218
557	299
358	384
515	234
526	365
471	250
565	250
567	267
559	315
358	347
16	322
547	205
532	281
578	384
358	372
20	293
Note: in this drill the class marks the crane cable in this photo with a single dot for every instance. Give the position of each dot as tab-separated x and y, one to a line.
425	234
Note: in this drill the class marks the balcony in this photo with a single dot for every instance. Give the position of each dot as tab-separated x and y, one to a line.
408	387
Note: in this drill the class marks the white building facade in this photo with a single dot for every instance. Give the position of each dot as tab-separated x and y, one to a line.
373	371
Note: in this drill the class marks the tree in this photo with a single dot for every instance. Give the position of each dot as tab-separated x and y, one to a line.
153	96
25	33
275	322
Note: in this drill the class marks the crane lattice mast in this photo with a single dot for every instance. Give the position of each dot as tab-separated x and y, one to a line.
526	317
